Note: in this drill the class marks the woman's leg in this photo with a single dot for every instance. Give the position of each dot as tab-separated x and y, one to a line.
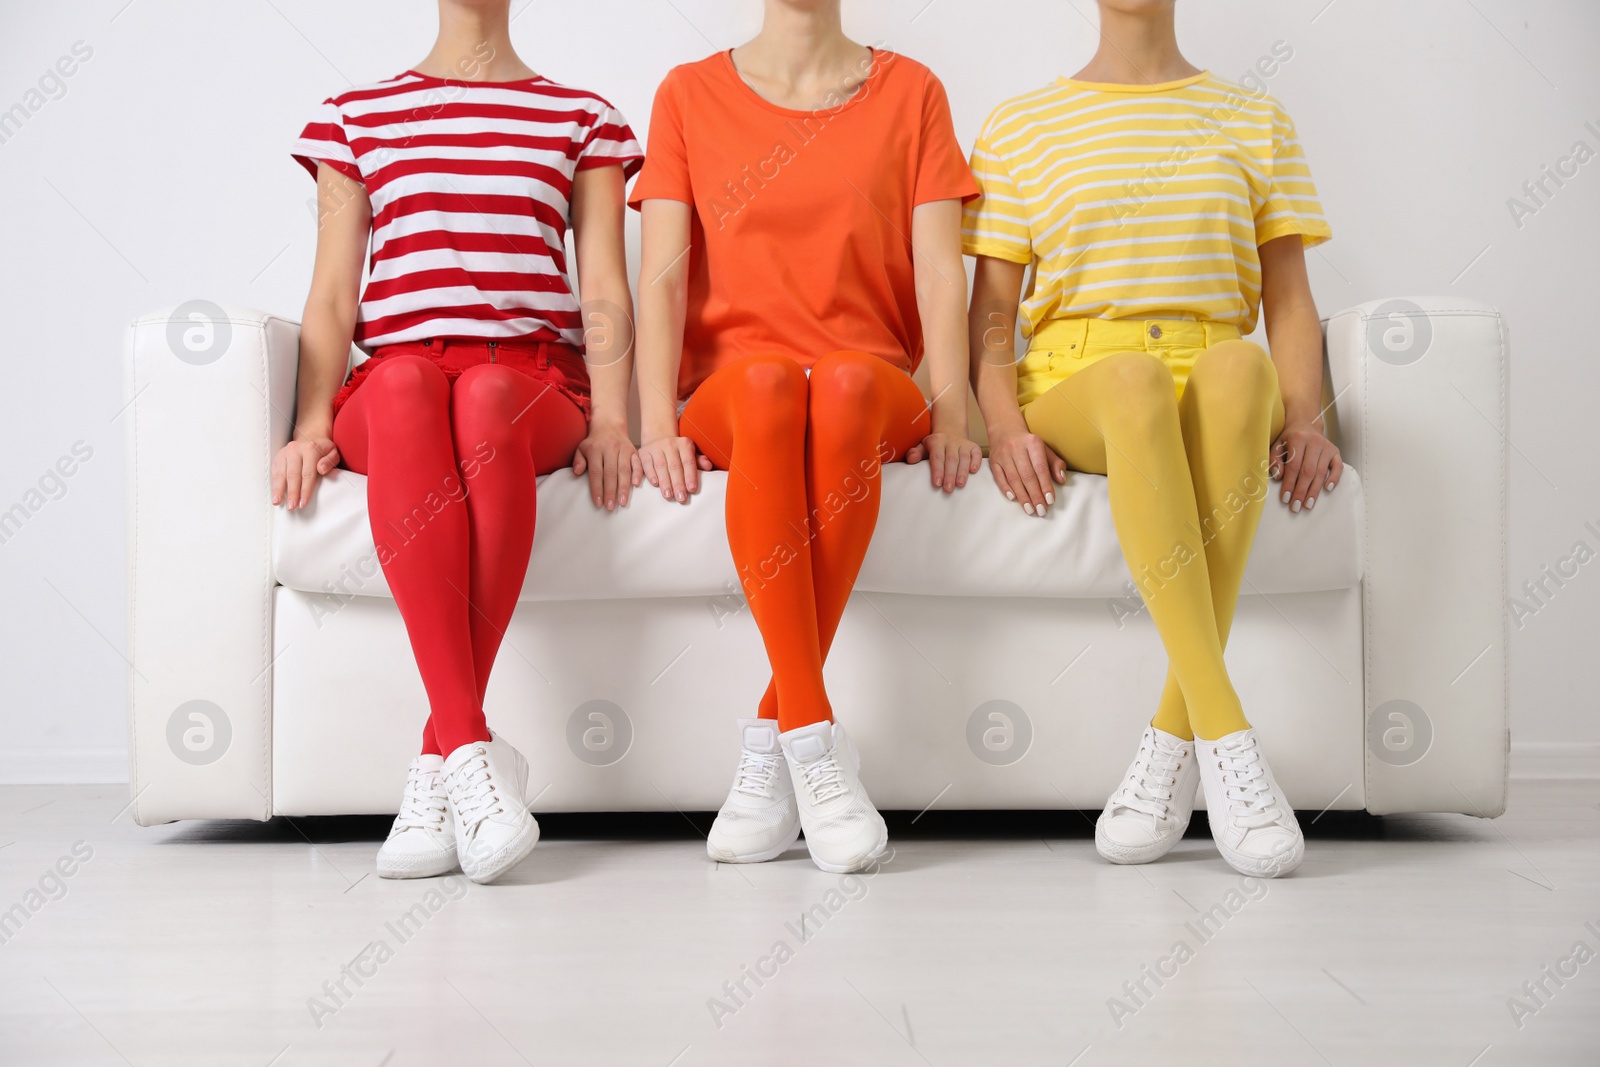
862	413
1119	417
1231	412
508	428
395	429
750	418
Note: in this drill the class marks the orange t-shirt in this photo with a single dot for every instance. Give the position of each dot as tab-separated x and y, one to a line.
801	239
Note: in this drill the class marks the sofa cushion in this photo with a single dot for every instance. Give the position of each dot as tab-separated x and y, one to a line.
970	543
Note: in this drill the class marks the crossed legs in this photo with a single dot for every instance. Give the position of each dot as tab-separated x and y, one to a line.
450	494
1187	481
805	460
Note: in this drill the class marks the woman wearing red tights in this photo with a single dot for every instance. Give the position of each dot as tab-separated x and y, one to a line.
463	174
801	202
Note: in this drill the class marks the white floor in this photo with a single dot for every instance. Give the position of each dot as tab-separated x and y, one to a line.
985	940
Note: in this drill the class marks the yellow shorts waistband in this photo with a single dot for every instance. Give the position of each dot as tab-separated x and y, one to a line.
1061	335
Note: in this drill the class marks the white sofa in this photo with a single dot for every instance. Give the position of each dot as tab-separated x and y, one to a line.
988	660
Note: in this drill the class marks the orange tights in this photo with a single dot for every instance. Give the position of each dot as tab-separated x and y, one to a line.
804	459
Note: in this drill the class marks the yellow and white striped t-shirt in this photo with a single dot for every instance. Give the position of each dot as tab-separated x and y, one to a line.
1140	201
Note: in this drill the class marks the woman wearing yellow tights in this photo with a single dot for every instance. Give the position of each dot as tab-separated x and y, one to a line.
1159	208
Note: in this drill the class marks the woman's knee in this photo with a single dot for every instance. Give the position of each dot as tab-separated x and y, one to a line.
847	381
1234	389
1235	369
775	378
488	394
410	384
848	417
771	393
1140	391
1137	373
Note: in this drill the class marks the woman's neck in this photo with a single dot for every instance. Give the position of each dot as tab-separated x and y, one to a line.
1137	49
802	54
474	44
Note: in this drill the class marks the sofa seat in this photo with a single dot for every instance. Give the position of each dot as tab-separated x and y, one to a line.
973	543
988	659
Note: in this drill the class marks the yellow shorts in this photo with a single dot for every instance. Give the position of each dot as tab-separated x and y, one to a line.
1062	347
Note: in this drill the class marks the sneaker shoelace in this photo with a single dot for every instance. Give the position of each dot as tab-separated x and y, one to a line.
756	772
1244	783
1149	788
423	807
824	778
476	797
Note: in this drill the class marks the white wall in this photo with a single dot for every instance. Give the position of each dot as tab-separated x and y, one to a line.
158	173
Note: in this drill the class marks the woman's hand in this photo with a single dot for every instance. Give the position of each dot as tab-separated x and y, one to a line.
951	458
1303	458
612	463
1307	464
1026	470
673	466
297	466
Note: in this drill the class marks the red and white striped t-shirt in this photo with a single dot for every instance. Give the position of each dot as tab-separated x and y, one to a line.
471	189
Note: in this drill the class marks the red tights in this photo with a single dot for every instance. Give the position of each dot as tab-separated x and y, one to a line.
450	493
805	460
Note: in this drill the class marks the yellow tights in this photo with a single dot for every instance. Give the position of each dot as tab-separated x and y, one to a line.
1170	460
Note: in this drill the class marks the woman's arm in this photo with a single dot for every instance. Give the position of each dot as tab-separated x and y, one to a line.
669	460
1303	457
607	454
344	222
1023	466
941	282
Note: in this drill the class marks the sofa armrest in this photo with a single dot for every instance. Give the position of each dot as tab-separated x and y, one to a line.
210	399
1420	387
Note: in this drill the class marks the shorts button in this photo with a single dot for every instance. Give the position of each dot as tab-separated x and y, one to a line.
1155	331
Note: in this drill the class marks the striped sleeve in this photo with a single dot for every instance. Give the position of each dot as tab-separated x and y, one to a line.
323	141
610	143
1291	204
996	223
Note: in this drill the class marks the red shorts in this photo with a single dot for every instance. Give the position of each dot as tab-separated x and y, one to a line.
558	365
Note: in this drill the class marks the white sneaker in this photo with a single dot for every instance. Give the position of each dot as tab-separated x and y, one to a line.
487	784
1253	825
843	830
1150	810
422	841
759	820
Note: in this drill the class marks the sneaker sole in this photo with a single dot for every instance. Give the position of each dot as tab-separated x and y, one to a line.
508	857
1270	867
1257	866
418	866
1134	854
856	865
725	856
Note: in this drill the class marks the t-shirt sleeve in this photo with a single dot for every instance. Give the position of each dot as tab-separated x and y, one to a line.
942	172
323	141
1291	204
996	223
666	162
610	143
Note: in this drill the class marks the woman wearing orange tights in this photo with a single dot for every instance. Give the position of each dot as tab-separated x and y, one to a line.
801	249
